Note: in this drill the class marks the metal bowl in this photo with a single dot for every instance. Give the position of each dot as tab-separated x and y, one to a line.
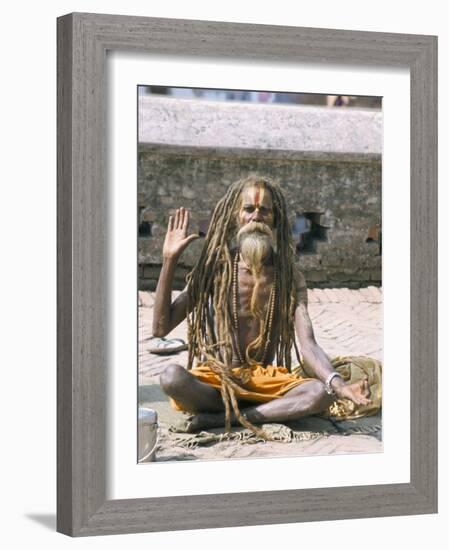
147	426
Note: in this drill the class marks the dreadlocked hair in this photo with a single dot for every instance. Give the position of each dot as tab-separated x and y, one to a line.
211	334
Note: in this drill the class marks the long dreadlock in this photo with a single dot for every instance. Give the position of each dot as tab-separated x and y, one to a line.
210	327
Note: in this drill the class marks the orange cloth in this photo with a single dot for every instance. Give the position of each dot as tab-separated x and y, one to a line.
264	384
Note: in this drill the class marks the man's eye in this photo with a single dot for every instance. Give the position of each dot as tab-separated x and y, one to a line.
266	211
249	208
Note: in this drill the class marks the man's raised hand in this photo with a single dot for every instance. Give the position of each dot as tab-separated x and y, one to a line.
176	239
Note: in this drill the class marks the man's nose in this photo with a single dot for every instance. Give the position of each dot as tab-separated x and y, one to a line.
257	216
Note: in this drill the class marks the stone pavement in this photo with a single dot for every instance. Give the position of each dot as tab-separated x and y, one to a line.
346	322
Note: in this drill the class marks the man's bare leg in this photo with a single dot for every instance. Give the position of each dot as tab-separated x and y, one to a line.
185	388
198	397
304	400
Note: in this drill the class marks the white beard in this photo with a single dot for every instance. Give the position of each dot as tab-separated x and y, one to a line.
256	243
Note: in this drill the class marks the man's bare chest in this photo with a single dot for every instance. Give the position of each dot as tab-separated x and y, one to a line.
253	295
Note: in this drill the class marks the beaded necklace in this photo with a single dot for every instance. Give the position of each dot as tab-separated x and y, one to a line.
270	311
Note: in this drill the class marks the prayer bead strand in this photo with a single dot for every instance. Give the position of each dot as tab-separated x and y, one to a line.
270	312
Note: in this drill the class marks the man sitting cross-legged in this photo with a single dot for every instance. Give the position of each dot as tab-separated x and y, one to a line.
244	301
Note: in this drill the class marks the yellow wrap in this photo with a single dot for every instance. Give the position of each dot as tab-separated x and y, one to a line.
272	382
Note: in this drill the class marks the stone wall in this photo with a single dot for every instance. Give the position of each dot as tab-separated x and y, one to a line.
328	161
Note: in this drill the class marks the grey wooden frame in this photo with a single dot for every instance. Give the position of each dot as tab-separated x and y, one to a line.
83	40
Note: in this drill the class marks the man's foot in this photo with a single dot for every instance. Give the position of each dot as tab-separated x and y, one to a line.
197	422
203	421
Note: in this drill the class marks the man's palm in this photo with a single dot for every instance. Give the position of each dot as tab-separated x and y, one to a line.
176	239
358	392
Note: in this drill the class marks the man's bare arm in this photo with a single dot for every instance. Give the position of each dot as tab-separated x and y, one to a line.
313	353
167	315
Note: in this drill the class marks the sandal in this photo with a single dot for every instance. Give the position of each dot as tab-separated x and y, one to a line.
165	346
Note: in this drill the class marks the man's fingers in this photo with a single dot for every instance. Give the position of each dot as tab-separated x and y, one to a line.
367	388
191	238
366	401
181	218
182	212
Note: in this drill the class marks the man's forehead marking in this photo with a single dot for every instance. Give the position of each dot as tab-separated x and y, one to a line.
257	194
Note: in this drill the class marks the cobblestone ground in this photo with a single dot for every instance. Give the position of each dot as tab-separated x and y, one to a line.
346	322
